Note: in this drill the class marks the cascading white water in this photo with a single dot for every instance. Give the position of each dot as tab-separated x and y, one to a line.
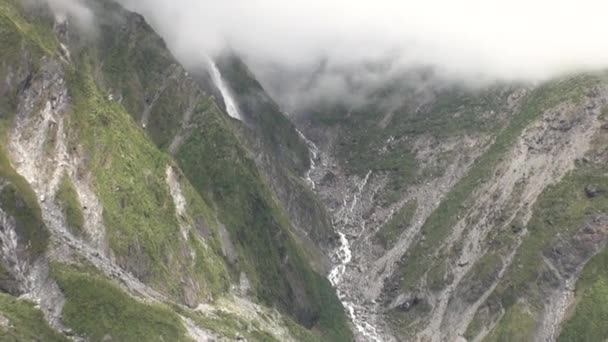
343	256
216	76
314	151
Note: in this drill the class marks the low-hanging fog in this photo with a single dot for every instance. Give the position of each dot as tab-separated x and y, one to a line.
285	42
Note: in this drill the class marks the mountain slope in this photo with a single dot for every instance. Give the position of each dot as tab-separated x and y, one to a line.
140	188
471	214
141	200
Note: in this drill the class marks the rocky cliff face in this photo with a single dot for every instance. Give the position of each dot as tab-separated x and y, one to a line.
461	210
131	206
143	201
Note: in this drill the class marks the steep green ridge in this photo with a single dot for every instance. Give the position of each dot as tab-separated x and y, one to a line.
586	321
590	315
20	320
142	226
558	220
99	310
131	182
67	198
517	325
25	42
130	56
436	227
22	35
282	157
19	201
213	160
280	275
269	125
558	216
129	178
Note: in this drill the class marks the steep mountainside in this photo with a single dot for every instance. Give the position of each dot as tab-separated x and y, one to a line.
469	214
131	208
140	201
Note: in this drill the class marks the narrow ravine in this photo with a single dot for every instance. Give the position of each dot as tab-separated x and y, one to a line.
343	255
314	158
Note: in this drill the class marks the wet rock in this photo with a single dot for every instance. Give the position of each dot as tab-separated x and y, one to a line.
409	304
593	191
328	178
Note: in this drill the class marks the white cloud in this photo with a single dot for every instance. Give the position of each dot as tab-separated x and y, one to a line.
285	42
506	39
76	9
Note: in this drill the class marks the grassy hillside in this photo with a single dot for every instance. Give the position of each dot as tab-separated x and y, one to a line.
129	100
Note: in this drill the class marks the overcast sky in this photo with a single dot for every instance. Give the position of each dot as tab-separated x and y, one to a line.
464	39
507	39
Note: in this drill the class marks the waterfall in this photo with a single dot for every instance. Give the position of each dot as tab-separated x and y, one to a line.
231	106
343	257
315	153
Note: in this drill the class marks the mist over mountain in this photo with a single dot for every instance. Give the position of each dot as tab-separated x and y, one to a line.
321	44
304	171
478	41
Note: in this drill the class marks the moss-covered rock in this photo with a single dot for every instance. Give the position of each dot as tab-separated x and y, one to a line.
67	199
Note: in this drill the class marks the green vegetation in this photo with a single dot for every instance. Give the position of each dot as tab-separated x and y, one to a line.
517	325
362	155
167	113
18	32
269	124
220	170
67	198
437	226
19	201
560	211
95	308
130	179
558	215
24	322
367	131
129	175
301	334
480	320
604	115
455	111
588	323
390	232
230	326
406	321
208	260
480	277
133	59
